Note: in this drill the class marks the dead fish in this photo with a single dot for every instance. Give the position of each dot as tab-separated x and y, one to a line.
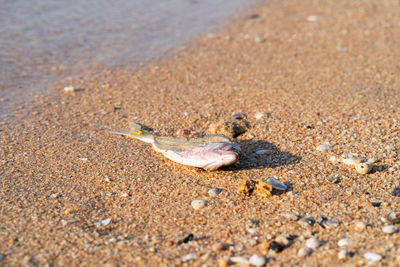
208	152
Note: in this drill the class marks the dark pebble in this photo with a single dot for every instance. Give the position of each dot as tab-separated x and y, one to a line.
396	192
275	246
2	256
186	239
376	204
239	116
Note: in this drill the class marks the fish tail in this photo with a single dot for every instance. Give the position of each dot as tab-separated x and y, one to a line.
139	132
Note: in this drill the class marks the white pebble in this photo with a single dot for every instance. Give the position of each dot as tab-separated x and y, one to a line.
259	39
343	254
372	256
105	222
261	115
257	260
69	89
324	148
188	257
198	204
363	168
389	229
313	243
360	225
304	252
390	147
213	192
345	242
252	230
313	18
263	151
353	161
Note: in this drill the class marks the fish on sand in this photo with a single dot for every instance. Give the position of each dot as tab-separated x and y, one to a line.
208	152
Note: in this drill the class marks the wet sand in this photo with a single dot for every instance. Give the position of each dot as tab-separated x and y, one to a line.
324	72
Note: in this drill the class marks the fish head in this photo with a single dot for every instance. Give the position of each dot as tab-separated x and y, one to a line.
220	154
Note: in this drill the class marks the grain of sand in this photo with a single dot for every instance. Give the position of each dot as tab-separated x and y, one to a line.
327	72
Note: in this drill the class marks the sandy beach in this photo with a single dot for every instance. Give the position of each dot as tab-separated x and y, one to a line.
321	72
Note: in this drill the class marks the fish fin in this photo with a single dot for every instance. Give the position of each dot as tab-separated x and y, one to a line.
138	131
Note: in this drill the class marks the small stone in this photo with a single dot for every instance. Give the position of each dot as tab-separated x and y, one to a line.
252	230
231	129
55	195
334	179
376	204
324	148
389	229
124	195
303	252
261	115
256	260
219	246
394	217
84	159
345	242
263	151
259	39
363	168
307	221
333	159
188	257
396	192
213	192
340	48
330	224
69	89
313	18
360	225
239	260
283	240
239	116
343	254
198	204
2	256
105	222
276	246
276	184
390	147
353	161
313	243
372	256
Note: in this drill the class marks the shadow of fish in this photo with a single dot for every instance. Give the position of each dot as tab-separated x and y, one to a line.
209	152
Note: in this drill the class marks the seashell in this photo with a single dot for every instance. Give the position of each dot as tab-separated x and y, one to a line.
276	184
363	168
324	148
352	161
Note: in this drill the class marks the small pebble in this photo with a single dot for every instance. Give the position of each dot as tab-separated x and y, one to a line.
333	178
372	256
307	221
363	168
376	204
213	192
252	230
2	256
105	222
276	184
352	161
239	260
345	242
198	204
313	243
256	260
69	89
313	18
282	239
55	195
390	147
259	39
360	225
389	229
340	48
303	252
261	115
324	148
330	224
396	192
263	151
394	217
343	254
276	246
188	257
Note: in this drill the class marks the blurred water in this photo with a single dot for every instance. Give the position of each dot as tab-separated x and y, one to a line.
41	40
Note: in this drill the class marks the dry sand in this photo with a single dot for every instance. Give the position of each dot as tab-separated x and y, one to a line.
332	78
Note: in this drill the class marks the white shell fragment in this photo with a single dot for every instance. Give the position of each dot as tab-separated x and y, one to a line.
363	168
372	256
276	184
239	260
198	204
389	229
261	115
313	243
69	89
188	257
105	222
256	260
343	254
324	148
345	242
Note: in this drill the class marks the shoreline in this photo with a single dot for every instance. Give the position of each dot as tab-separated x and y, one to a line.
323	73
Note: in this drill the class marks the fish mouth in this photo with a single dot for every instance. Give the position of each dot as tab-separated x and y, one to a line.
224	160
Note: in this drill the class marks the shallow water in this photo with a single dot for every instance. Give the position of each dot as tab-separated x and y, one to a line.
43	40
